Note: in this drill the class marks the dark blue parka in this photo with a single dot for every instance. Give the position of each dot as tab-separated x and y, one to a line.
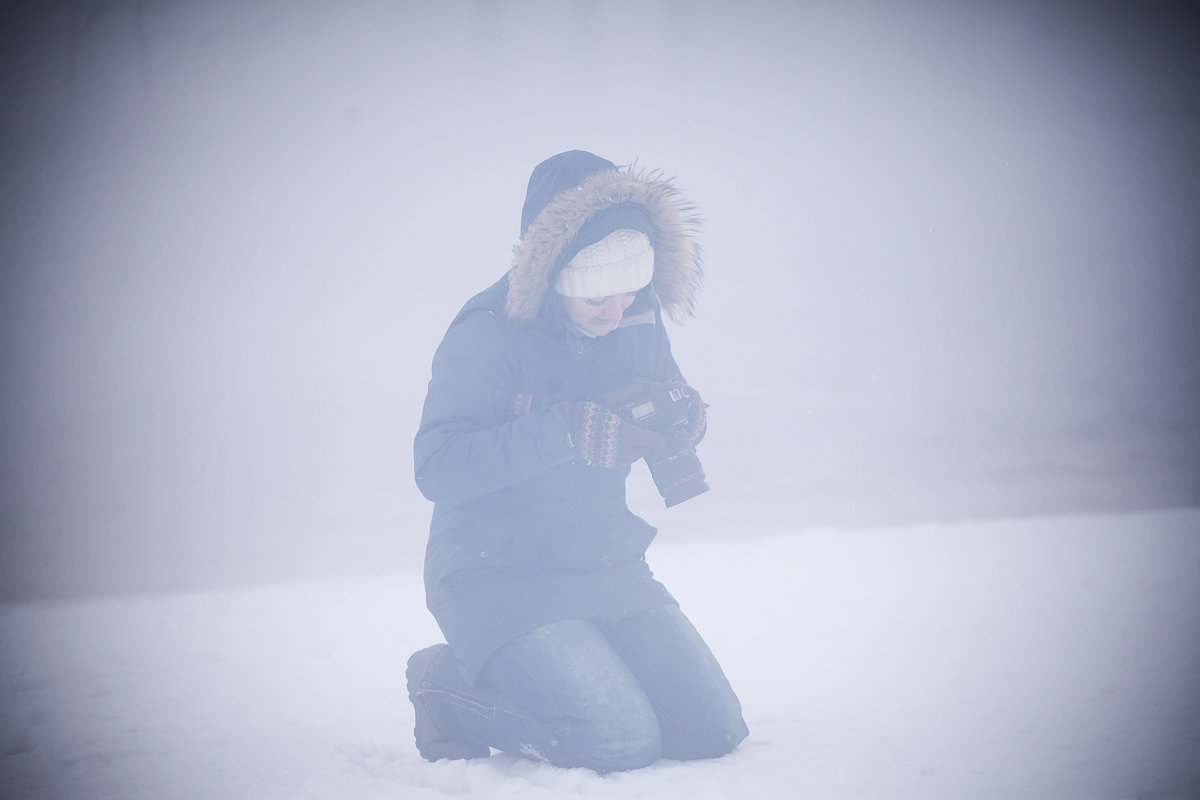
523	534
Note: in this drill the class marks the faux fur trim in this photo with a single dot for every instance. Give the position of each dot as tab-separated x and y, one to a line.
677	260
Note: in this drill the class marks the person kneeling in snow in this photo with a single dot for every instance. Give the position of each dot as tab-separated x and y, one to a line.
562	646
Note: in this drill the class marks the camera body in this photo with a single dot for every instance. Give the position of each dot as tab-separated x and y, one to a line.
663	408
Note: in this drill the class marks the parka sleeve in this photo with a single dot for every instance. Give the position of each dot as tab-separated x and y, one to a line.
666	368
663	366
470	442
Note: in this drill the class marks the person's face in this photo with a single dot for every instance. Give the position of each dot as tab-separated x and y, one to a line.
597	316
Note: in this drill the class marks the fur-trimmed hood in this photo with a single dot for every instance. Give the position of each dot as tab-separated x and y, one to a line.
574	213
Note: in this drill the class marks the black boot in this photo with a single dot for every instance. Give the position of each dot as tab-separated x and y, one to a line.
436	737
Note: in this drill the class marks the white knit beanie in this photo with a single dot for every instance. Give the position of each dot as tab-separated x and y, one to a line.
620	263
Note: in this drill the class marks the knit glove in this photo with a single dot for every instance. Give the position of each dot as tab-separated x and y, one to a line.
697	418
601	438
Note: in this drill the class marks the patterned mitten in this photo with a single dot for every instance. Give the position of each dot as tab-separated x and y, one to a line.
601	438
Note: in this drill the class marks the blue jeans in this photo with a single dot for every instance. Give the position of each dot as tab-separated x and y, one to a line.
607	696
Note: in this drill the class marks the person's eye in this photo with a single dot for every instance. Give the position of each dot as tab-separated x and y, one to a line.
595	301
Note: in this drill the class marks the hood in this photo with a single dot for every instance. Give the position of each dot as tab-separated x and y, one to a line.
577	198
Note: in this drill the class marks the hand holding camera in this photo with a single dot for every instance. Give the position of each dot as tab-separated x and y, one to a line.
697	417
676	411
602	438
659	422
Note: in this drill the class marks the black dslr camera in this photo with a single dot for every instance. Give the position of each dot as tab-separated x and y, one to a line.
663	408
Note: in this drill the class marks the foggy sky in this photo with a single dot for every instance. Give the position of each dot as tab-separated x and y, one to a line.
951	258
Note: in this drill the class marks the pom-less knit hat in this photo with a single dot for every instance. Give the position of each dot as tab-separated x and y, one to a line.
576	199
619	263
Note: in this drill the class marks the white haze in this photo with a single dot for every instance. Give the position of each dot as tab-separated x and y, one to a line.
951	263
948	337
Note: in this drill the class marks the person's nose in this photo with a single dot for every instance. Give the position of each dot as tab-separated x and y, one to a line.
612	309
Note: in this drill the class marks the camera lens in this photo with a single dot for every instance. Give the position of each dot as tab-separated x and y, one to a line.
684	491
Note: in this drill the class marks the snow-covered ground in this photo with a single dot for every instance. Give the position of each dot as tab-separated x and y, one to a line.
1034	658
